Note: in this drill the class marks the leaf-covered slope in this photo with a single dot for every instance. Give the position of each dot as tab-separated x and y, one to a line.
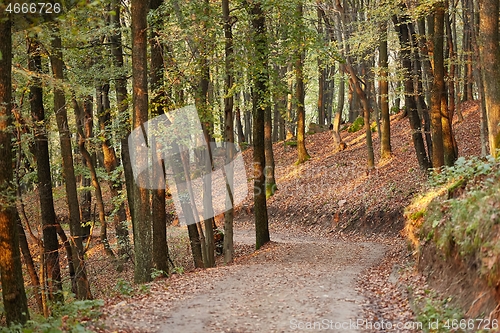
333	190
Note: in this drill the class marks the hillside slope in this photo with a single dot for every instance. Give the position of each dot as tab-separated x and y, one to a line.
333	190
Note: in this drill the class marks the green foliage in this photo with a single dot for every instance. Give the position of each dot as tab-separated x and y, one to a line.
356	125
69	317
157	273
437	315
465	169
124	287
470	223
178	270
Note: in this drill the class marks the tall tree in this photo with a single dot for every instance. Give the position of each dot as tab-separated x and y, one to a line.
366	114
13	293
300	91
490	54
141	218
385	127
404	29
159	215
229	133
438	88
56	59
48	214
121	99
260	96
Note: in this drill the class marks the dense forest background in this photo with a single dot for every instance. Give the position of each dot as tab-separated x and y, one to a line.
75	80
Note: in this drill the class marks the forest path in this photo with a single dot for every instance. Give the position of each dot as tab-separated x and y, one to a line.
293	281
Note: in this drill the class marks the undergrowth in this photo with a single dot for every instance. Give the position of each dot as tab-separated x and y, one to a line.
461	213
438	315
74	316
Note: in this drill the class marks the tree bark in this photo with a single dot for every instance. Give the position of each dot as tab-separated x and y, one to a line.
228	246
300	94
159	215
366	116
13	293
490	54
47	212
437	88
83	287
80	117
121	99
141	218
385	128
260	91
403	29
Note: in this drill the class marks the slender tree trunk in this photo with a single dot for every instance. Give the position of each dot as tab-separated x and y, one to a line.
490	54
205	99
83	287
480	84
385	128
141	218
448	100
410	103
121	100
468	12
86	195
115	186
159	215
366	115
93	176
229	133
48	215
300	95
239	126
437	88
13	293
30	265
260	81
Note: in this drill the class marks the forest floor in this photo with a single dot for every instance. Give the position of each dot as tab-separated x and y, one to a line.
337	258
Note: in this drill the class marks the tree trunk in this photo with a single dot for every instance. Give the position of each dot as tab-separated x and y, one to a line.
48	215
411	107
115	186
260	88
300	94
366	115
30	265
448	100
385	128
437	88
468	10
229	133
83	287
239	127
80	117
121	100
490	55
13	293
86	195
141	218
159	215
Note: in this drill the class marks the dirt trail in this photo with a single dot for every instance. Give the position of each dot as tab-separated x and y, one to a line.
281	288
294	282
